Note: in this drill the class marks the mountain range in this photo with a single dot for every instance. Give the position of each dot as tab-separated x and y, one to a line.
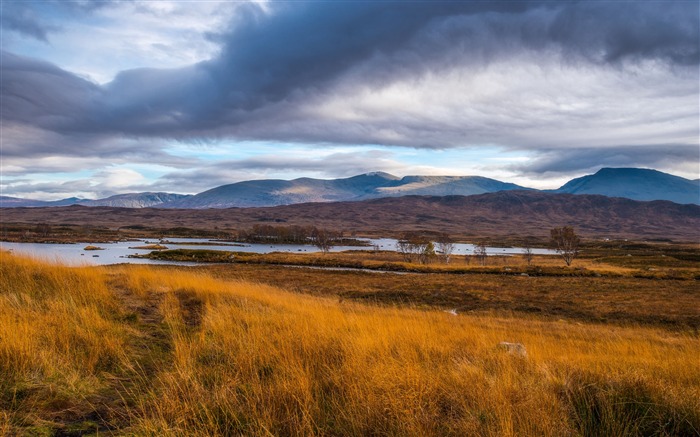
129	200
631	183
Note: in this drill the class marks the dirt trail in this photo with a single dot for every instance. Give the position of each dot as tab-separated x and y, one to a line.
191	309
152	344
154	341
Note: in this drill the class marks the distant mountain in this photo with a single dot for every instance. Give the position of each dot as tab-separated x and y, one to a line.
274	192
131	200
16	202
135	200
443	186
636	184
630	183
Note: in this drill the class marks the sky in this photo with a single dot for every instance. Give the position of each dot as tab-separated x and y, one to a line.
108	97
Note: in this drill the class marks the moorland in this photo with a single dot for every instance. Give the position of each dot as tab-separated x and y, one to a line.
259	349
355	343
508	216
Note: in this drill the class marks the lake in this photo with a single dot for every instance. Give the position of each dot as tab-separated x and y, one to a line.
118	253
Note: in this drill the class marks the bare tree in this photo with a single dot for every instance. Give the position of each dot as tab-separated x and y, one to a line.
427	252
565	242
322	239
403	247
43	229
445	247
415	248
480	253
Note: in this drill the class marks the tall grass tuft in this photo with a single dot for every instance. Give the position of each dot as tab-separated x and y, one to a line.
156	351
60	333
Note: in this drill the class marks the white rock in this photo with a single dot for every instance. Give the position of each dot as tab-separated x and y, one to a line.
513	348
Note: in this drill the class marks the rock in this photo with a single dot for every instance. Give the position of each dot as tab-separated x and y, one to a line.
513	348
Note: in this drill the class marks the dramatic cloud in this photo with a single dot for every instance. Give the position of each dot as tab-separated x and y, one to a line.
557	161
564	82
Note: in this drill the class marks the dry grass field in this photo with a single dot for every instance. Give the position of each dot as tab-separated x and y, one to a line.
133	350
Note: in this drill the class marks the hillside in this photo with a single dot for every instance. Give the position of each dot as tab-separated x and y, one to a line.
129	200
17	202
636	184
506	213
274	192
135	200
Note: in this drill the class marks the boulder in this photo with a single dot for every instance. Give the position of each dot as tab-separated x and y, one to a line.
513	348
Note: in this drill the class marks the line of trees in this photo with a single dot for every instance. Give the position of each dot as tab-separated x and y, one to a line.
413	246
324	239
276	234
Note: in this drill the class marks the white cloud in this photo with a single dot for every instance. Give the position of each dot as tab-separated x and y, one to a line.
521	102
127	35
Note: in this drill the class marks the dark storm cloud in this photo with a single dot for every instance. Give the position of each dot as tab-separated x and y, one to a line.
568	161
40	94
620	30
301	49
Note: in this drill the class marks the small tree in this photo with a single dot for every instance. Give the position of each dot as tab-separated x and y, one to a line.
427	252
415	248
403	247
322	239
445	247
480	253
43	229
565	242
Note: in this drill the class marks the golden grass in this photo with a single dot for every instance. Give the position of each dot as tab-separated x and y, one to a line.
242	358
595	264
60	329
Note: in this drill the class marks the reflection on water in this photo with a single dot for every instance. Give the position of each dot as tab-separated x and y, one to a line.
118	253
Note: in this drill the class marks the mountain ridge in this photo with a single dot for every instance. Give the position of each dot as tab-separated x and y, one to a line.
631	183
127	200
635	183
275	192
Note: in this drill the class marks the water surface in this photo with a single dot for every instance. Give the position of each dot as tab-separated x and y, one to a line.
118	252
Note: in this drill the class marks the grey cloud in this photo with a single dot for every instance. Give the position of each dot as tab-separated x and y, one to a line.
652	30
64	188
33	19
41	94
568	161
270	63
226	172
21	18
